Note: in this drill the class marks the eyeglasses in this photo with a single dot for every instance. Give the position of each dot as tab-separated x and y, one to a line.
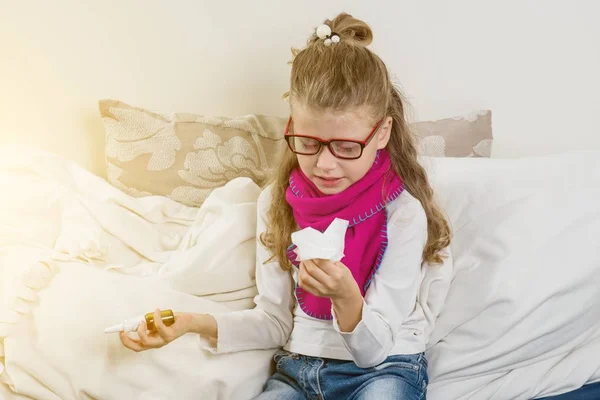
340	148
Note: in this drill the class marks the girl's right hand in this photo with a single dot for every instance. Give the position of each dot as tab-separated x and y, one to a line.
163	334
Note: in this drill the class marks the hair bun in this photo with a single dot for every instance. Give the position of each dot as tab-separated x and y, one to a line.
351	29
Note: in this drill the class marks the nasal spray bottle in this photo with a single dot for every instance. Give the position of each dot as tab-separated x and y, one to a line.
132	324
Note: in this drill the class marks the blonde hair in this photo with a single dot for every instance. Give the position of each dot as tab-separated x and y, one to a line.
346	76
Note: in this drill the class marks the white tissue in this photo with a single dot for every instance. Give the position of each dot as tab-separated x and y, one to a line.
329	245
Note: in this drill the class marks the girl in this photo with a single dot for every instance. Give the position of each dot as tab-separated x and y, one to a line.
352	329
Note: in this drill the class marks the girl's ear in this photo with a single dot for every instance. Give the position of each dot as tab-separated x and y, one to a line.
385	130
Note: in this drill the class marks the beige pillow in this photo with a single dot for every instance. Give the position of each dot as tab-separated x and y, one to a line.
186	156
466	136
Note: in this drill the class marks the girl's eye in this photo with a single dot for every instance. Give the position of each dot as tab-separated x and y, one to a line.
347	148
307	144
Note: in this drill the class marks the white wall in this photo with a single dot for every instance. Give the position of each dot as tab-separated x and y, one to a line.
534	63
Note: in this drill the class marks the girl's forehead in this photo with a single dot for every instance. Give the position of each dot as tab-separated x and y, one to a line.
352	114
328	121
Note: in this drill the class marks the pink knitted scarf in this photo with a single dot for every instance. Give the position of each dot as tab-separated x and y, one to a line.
363	205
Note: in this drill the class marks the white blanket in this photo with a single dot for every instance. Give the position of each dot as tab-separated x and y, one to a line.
522	317
78	255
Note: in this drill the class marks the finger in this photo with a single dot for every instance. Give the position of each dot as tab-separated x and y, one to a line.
329	267
315	271
310	284
341	265
165	332
318	274
305	284
335	269
130	343
151	341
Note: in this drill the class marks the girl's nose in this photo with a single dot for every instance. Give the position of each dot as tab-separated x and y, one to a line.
325	160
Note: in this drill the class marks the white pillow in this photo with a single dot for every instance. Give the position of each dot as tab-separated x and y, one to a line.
522	314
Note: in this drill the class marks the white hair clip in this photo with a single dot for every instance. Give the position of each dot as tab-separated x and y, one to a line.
324	32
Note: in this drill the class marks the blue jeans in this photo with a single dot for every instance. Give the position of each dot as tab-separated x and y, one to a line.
311	378
591	391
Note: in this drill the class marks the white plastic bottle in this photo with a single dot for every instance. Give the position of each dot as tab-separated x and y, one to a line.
132	324
128	325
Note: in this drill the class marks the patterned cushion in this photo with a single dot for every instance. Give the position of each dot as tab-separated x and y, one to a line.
466	136
186	156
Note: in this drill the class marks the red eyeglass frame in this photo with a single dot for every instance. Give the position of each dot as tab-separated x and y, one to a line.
327	143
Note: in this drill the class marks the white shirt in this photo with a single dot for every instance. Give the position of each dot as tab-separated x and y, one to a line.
393	320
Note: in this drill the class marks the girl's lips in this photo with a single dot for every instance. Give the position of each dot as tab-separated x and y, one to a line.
328	182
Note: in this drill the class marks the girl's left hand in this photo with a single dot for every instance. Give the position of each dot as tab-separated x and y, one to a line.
326	278
163	334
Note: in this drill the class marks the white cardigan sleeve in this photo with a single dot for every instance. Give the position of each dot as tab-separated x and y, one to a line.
269	324
392	295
